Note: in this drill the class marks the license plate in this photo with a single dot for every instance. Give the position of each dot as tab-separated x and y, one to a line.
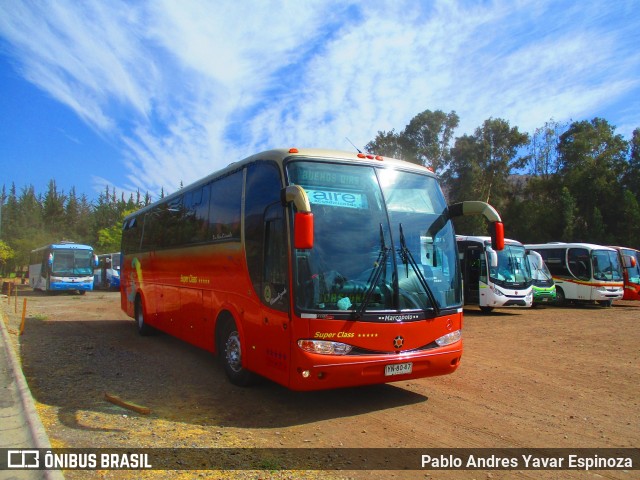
398	369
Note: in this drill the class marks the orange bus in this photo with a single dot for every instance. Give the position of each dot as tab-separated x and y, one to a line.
630	261
315	269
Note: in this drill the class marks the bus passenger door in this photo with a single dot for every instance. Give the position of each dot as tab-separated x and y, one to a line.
472	265
276	342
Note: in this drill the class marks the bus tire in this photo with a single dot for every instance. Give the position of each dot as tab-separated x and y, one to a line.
606	303
561	300
230	353
143	329
486	309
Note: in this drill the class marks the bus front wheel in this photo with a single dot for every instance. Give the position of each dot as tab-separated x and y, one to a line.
230	352
560	298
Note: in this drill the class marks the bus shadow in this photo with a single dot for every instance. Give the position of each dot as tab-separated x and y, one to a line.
70	365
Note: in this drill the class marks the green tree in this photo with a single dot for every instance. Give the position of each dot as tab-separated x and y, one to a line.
110	238
6	254
426	140
631	178
481	166
543	149
593	161
387	144
54	213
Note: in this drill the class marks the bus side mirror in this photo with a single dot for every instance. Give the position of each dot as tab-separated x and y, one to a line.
95	261
303	231
497	235
493	257
629	261
50	261
303	219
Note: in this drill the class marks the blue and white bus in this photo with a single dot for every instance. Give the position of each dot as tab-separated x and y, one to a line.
107	274
62	267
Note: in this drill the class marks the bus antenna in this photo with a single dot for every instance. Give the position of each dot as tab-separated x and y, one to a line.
353	144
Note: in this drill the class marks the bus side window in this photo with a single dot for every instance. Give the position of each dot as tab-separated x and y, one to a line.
131	236
262	189
579	263
196	215
225	208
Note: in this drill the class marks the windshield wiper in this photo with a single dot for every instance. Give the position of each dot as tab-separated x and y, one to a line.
407	259
374	276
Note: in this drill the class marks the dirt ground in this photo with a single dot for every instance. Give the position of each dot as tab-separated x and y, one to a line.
543	377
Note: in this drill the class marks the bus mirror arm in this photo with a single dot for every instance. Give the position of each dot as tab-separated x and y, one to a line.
475	207
303	219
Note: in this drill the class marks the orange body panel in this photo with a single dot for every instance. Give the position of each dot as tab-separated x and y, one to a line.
184	291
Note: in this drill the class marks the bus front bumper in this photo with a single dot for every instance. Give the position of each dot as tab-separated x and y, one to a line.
71	283
326	372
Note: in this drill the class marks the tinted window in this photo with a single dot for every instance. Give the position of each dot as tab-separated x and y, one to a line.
131	236
262	190
171	218
195	221
580	263
224	207
555	260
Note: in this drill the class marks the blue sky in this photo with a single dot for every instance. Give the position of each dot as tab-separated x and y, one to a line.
148	94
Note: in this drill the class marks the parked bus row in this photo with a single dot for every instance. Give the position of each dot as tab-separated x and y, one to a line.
321	269
523	275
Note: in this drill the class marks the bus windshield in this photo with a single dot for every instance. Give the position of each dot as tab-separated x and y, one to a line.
606	265
633	271
513	268
538	273
72	262
383	241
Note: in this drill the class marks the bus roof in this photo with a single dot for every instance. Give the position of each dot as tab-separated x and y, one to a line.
67	245
281	154
624	248
484	239
588	246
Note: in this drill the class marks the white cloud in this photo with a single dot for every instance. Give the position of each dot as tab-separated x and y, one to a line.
186	87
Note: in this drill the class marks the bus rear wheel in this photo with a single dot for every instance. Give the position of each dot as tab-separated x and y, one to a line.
230	352
143	328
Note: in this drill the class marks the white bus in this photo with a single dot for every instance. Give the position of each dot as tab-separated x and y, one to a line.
107	274
583	272
62	267
494	279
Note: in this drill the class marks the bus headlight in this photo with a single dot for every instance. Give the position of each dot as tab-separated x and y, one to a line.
497	291
449	338
324	347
